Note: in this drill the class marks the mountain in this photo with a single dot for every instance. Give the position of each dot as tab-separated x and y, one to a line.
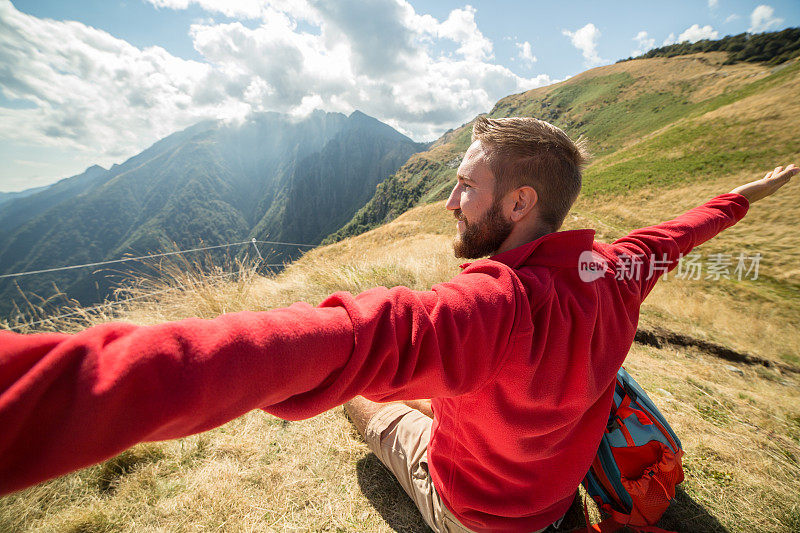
28	207
267	177
8	196
645	120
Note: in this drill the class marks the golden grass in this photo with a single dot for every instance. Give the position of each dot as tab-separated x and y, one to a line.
778	102
703	74
740	425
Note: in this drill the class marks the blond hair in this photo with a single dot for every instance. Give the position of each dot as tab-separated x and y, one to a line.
528	151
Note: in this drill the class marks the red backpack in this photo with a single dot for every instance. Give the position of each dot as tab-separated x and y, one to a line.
638	464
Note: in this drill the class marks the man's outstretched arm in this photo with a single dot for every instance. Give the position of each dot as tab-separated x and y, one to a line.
666	242
68	401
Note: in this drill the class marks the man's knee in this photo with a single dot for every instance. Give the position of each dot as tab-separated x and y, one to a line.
423	406
360	411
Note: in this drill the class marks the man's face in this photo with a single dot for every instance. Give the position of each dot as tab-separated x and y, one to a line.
482	226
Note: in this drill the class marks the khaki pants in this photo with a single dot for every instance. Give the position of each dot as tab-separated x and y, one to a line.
399	436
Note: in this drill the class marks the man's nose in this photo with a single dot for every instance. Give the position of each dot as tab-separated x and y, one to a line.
452	202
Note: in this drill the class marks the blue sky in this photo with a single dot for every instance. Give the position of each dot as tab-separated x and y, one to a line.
98	81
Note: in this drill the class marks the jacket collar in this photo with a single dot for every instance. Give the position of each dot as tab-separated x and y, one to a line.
558	249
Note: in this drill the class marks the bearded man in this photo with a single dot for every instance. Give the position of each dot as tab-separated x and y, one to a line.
518	352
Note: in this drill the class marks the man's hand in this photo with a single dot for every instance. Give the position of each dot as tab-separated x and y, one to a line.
756	190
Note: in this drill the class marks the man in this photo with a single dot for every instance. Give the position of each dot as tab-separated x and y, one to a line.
518	352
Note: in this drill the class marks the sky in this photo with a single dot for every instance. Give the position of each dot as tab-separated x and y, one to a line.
98	81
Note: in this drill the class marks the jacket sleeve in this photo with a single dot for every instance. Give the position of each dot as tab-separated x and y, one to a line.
68	401
658	249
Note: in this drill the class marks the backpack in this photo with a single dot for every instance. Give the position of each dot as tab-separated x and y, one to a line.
638	464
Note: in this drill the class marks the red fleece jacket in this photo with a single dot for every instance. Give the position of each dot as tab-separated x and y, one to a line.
517	351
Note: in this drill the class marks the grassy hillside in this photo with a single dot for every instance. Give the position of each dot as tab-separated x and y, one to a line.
740	424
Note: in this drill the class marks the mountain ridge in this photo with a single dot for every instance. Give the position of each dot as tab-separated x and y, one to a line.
212	183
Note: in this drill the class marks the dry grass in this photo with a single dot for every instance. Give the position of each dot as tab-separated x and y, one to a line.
740	430
740	425
256	473
703	75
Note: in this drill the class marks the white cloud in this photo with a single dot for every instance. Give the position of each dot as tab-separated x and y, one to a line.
37	164
731	18
461	28
644	43
525	53
246	9
100	95
692	34
763	18
92	92
585	40
712	4
696	33
372	56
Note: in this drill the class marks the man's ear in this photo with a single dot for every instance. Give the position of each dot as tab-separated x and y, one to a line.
525	198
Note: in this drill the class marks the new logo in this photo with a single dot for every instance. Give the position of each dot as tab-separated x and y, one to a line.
591	266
